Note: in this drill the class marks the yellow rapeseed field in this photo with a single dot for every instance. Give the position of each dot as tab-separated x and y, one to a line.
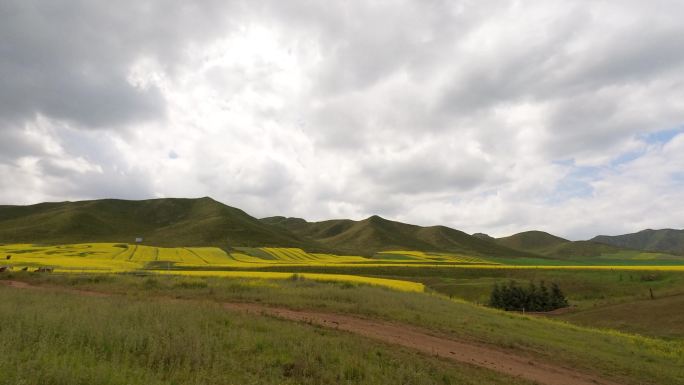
113	257
433	257
390	283
92	257
579	267
298	256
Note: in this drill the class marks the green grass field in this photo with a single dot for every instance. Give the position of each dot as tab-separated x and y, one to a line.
660	317
438	291
630	358
94	341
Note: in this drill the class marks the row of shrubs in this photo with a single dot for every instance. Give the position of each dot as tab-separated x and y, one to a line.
527	298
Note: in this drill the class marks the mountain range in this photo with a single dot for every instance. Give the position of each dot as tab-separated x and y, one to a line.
162	222
664	240
542	243
374	234
206	222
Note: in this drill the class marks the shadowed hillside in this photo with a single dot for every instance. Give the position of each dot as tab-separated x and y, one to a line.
549	245
206	222
534	241
374	234
665	240
484	236
581	249
316	230
162	222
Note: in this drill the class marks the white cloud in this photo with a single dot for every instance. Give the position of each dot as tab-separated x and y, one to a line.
485	116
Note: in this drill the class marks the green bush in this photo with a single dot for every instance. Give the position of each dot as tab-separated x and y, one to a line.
530	298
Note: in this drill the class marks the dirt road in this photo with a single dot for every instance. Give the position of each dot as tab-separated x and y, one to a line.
423	340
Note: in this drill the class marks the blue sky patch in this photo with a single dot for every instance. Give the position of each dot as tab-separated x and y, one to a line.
662	137
576	184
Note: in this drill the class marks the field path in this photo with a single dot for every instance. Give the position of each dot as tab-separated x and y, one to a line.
412	337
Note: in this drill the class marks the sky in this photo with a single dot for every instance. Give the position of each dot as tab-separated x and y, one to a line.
482	115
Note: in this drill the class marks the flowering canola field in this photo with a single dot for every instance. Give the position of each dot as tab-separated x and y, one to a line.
431	257
390	283
214	262
116	258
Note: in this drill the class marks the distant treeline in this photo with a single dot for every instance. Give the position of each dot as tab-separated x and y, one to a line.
527	298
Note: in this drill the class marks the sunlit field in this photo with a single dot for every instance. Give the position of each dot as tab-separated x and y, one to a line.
389	283
429	288
134	302
117	258
403	270
430	257
121	257
126	257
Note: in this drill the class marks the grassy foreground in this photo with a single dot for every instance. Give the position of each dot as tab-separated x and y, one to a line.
631	359
594	286
67	339
607	298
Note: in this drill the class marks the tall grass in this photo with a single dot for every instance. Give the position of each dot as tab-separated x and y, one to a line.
67	339
632	358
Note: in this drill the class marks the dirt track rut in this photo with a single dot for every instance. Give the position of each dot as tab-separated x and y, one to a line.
407	336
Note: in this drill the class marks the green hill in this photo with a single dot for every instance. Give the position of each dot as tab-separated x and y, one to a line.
375	234
664	240
206	222
161	222
581	249
484	236
533	241
315	230
549	245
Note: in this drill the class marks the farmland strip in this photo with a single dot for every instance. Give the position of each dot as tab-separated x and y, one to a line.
135	250
196	255
119	253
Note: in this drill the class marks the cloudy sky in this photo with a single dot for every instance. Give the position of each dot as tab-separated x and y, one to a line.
492	116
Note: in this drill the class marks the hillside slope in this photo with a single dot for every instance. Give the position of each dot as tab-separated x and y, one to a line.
533	241
374	234
664	240
581	249
161	222
549	245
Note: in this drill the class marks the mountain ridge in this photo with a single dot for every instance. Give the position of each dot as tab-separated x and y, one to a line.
549	245
661	240
163	222
531	240
374	234
207	222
